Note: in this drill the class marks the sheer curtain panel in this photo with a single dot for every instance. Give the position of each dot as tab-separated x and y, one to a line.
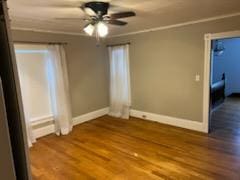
59	89
120	92
30	134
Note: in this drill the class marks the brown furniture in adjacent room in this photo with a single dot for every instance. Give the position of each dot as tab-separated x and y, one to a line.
218	92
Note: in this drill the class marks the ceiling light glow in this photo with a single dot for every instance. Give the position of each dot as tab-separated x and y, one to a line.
89	29
102	29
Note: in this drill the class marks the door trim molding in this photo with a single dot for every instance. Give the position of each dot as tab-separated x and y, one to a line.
207	68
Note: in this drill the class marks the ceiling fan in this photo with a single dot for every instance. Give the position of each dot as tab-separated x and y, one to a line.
98	18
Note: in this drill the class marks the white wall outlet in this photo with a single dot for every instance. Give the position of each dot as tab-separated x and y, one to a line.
144	116
197	78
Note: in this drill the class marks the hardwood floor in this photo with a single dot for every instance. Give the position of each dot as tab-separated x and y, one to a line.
111	148
225	119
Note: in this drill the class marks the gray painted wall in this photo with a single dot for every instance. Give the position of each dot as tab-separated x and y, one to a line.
228	63
163	65
87	68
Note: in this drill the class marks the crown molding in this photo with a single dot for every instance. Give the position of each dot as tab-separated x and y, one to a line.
177	25
48	31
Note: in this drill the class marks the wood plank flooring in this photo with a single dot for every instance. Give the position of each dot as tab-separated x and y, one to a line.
112	148
225	119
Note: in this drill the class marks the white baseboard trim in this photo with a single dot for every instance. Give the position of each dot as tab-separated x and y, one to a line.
40	132
41	120
183	123
90	116
44	131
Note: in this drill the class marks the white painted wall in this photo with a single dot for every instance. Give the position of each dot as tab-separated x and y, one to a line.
31	61
228	62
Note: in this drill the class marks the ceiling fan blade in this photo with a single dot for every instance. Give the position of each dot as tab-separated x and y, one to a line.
88	11
122	15
116	22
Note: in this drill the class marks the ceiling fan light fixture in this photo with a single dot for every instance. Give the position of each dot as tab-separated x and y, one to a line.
102	29
89	29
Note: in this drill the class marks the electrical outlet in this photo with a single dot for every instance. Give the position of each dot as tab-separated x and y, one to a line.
197	78
144	116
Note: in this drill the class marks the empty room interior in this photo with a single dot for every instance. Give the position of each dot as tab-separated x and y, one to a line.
120	90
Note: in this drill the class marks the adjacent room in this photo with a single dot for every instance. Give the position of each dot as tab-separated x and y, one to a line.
225	87
123	90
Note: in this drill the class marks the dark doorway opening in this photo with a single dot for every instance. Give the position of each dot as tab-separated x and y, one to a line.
225	88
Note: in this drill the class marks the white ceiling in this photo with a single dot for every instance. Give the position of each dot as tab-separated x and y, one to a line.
42	14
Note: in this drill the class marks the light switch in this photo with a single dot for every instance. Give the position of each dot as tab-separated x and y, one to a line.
197	78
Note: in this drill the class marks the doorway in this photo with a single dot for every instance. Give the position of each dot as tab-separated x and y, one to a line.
221	96
225	86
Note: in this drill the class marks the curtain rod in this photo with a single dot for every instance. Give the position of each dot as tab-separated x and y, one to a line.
43	43
122	44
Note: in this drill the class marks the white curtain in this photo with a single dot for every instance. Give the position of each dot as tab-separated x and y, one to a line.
120	92
59	89
30	135
24	93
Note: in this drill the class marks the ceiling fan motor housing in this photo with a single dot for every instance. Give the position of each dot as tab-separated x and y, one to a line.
100	8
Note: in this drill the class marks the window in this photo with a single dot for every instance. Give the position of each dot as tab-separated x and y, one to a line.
32	68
